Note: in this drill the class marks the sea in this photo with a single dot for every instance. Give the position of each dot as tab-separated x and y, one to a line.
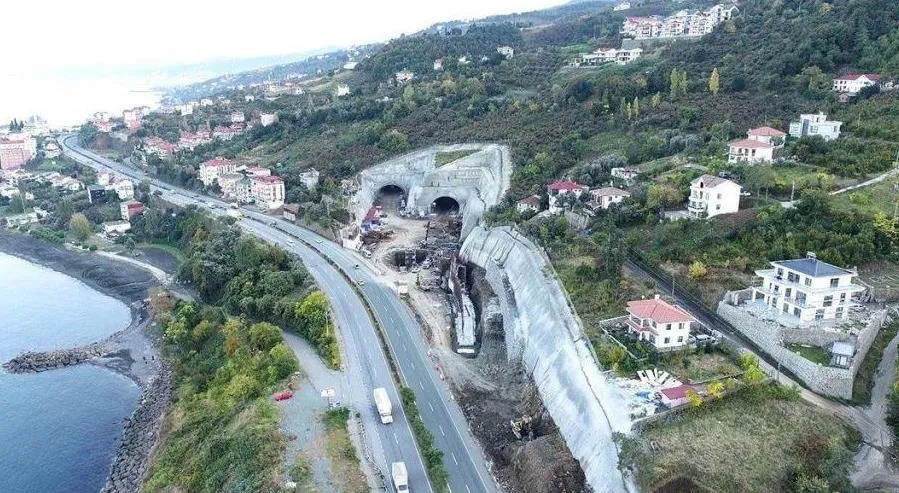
58	429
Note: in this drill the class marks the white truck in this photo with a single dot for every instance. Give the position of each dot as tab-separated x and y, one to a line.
400	477
385	408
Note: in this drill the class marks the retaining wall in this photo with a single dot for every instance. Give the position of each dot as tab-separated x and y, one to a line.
542	331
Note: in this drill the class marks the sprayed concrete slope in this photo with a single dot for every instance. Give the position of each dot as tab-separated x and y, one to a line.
542	332
476	182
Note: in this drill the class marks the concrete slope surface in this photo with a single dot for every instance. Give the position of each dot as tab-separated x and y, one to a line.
541	331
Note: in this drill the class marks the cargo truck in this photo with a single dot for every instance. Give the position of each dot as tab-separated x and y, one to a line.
385	408
400	477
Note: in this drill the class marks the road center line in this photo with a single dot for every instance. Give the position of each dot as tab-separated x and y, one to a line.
395	439
454	460
431	406
441	430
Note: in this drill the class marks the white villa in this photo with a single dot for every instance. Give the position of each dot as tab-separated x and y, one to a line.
806	291
853	83
531	203
815	124
604	197
767	135
656	321
711	196
607	55
749	151
562	188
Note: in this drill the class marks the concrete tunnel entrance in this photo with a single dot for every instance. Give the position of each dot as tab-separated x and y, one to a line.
390	197
445	205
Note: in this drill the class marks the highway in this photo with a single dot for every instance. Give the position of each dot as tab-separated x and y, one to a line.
367	363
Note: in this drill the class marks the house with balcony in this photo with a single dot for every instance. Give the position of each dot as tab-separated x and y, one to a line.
561	192
711	196
604	197
815	124
853	83
665	326
806	291
767	135
749	151
214	168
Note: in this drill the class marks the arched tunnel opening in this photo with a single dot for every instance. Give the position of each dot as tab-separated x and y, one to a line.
390	198
445	205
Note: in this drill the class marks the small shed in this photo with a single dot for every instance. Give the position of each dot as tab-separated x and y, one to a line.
675	396
841	354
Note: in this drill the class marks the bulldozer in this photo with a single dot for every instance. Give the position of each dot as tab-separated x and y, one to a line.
521	425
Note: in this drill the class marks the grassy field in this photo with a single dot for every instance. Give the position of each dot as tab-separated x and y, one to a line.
864	379
344	460
699	366
811	353
444	158
746	442
883	276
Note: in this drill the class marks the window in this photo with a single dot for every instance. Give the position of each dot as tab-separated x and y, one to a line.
717	207
842	297
828	300
667	326
780	272
787	292
719	196
819	314
792	277
667	340
797	312
839	313
808	281
835	282
680	338
786	308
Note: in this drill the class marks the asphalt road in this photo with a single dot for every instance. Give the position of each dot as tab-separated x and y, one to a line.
463	458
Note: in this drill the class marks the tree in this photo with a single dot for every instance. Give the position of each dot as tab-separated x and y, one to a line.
656	100
130	244
662	195
80	226
697	270
715	389
694	398
636	106
394	141
674	82
714	81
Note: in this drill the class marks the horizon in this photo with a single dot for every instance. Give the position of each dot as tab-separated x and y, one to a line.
109	55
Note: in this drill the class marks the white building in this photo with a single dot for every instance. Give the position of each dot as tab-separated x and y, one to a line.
815	124
268	191
608	55
342	90
749	151
561	191
404	76
604	197
806	291
682	23
627	173
767	135
266	119
124	189
853	83
526	204
506	51
309	178
116	227
711	196
185	109
621	6
660	323
237	117
212	169
438	64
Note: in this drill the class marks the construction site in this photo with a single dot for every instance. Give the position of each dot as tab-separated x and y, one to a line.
416	247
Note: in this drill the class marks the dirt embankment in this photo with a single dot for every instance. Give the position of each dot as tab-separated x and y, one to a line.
492	392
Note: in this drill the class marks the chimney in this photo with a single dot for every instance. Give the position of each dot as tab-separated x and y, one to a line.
657	296
811	255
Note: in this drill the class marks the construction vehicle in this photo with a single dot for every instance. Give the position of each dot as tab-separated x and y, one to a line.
385	408
400	477
519	425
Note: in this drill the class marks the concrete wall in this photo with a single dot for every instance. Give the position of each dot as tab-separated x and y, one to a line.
477	182
543	332
835	382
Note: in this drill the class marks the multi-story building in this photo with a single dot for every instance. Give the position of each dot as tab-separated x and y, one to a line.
159	147
815	124
16	151
806	291
660	323
228	183
212	169
560	190
711	196
749	151
604	197
682	23
506	51
767	135
404	76
130	208
237	117
132	118
268	191
608	55
853	83
266	119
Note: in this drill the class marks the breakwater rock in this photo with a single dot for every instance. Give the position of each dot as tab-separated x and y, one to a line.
140	434
34	362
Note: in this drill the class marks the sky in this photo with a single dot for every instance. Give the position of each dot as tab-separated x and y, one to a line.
63	35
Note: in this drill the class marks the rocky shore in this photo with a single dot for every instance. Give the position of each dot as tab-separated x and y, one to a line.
131	352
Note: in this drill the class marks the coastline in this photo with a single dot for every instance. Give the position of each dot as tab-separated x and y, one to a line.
132	352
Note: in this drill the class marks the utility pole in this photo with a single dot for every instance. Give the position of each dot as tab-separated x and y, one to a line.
793	191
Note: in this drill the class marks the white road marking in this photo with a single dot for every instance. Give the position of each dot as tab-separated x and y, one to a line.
395	439
466	488
404	346
431	406
421	384
441	430
454	459
413	364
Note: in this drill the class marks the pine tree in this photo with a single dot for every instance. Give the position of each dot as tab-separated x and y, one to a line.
675	82
630	111
624	107
714	82
683	82
636	106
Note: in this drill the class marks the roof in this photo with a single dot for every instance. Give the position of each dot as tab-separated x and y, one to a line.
217	162
268	179
132	203
372	215
749	143
533	200
710	181
843	349
566	185
766	132
675	393
858	76
659	310
611	192
295	208
813	267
